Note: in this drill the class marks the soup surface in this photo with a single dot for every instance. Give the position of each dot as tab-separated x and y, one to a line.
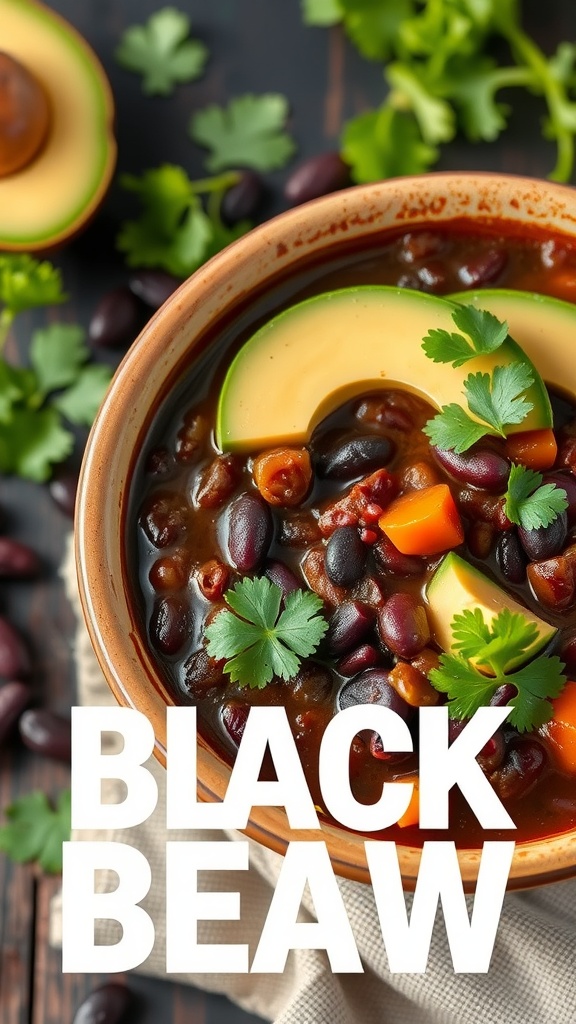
312	520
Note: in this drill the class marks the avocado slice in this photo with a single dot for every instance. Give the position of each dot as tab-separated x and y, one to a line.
53	195
312	357
544	327
457	585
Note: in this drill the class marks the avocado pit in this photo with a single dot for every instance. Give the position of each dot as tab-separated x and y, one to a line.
24	115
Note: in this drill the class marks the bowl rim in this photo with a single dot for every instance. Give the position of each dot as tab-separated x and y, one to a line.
149	370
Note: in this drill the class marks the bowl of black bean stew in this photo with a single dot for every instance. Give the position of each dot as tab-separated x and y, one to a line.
338	470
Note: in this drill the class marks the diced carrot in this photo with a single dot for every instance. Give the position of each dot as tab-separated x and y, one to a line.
561	729
411	815
423	522
536	449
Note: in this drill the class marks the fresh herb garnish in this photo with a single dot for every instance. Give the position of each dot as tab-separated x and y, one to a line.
249	132
493	648
530	503
483	333
175	231
257	640
161	52
59	381
497	398
35	830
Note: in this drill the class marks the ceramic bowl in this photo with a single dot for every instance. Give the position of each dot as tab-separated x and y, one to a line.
149	372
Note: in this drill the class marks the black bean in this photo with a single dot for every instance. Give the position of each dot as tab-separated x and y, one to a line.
63	487
14	696
201	673
17	560
345	557
46	733
164	518
14	657
349	624
545	541
355	457
250	531
234	717
484	267
479	467
169	624
568	484
403	625
279	573
316	176
105	1005
372	687
510	557
116	320
153	287
242	200
365	656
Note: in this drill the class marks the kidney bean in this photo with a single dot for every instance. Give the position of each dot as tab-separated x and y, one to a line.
46	733
372	687
279	573
403	625
242	200
117	319
201	672
365	656
14	696
503	695
356	456
568	655
17	560
455	727
417	245
318	580
316	176
159	462
299	530
432	276
170	572
234	718
544	541
480	537
14	657
190	437
510	557
393	561
217	481
345	557
250	531
488	508
492	754
480	467
369	591
349	624
484	267
105	1005
567	483
412	685
386	411
153	287
311	685
524	763
567	454
169	624
553	582
164	518
63	487
213	579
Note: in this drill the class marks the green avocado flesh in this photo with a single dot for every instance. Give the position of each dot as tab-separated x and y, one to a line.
456	586
311	358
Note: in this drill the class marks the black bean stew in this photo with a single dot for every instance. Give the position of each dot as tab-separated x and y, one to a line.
204	520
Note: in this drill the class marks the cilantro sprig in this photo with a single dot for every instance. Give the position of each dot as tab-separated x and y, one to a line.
529	502
35	830
248	132
257	640
482	333
162	52
493	648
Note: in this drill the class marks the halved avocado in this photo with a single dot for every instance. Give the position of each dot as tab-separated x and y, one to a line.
53	195
312	357
455	586
544	327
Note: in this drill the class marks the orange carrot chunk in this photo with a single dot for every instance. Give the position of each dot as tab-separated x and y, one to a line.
423	522
411	815
536	449
561	729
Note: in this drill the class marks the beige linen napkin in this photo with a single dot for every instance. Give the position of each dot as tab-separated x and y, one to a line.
532	979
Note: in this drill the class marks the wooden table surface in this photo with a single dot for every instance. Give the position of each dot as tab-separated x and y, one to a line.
255	45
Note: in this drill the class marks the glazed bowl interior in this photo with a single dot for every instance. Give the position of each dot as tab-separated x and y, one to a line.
245	272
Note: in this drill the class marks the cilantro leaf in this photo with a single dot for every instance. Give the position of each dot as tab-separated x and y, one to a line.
483	333
497	397
14	385
161	51
321	12
33	441
249	132
26	282
385	143
373	26
493	648
36	831
453	429
435	117
81	401
56	354
256	641
529	503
